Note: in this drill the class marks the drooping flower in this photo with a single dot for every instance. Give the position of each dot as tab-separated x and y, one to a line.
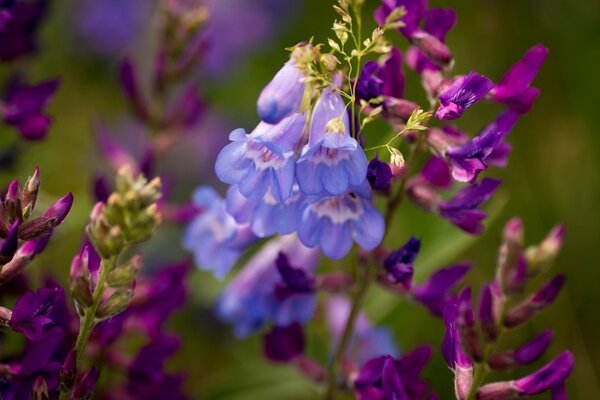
367	341
514	88
334	222
385	377
265	216
283	95
23	107
264	160
214	236
472	157
332	161
464	92
255	297
463	209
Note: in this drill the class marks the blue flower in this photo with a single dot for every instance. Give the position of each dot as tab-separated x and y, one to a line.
214	236
265	216
333	222
282	96
332	160
263	160
253	298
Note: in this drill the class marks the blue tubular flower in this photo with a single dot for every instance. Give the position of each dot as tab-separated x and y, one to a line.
265	216
252	299
465	91
332	160
214	237
263	160
282	96
333	222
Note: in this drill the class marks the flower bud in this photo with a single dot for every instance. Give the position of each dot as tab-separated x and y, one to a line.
30	193
400	109
68	372
330	62
12	202
420	193
540	300
115	304
542	256
5	316
283	95
40	389
433	48
84	388
125	273
549	376
466	325
21	259
129	83
81	287
59	210
9	245
523	355
487	317
379	175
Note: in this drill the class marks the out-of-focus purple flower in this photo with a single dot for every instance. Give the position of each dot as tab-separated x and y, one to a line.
435	292
253	298
294	280
6	12
387	378
214	237
264	160
537	302
20	260
437	173
514	88
129	82
41	358
550	377
111	28
18	38
470	158
524	354
23	107
415	11
379	175
32	313
284	343
265	216
147	377
367	341
187	109
369	85
455	357
85	385
487	313
332	161
10	243
334	222
282	96
463	209
399	263
463	93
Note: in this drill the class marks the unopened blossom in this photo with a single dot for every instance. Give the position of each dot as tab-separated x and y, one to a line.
264	160
283	95
379	175
399	263
22	107
259	294
214	236
458	361
514	88
332	160
464	92
334	222
524	354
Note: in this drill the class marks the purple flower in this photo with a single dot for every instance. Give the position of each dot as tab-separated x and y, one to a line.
10	243
23	107
435	292
455	357
369	85
379	175
367	341
294	280
282	96
40	358
436	173
513	89
399	263
550	377
463	93
187	109
264	160
265	216
524	354
18	38
214	237
254	297
390	72
284	343
332	161
472	157
486	311
84	387
32	314
462	210
334	222
6	12
387	378
415	11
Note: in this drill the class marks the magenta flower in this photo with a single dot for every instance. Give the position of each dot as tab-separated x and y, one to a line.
464	92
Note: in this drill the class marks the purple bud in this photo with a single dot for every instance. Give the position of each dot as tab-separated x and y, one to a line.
59	210
540	300
433	48
549	376
379	175
283	344
130	86
68	370
282	96
22	257
487	317
454	354
12	201
85	386
541	256
9	245
369	85
30	192
466	325
398	264
465	91
534	349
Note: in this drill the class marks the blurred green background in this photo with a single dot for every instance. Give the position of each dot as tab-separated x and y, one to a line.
553	176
